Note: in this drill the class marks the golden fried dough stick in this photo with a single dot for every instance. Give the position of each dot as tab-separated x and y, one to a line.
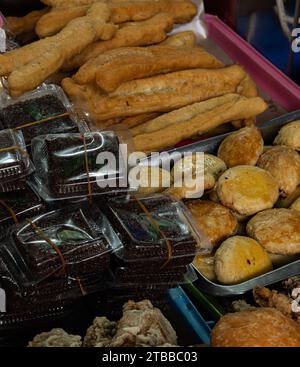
65	3
238	107
122	11
133	121
182	10
181	39
183	114
148	32
161	93
156	60
26	24
54	51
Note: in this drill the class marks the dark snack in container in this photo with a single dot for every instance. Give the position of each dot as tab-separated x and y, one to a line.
40	112
18	205
68	166
15	163
154	231
74	241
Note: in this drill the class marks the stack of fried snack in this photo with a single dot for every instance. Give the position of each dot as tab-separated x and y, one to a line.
249	211
124	69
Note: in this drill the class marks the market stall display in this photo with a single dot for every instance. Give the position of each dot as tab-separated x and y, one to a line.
76	239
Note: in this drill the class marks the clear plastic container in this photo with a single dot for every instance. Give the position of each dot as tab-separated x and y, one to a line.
18	205
157	232
72	166
15	163
74	242
42	111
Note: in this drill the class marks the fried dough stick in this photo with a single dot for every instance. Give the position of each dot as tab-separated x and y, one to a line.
181	39
144	33
229	107
41	59
156	60
122	11
26	24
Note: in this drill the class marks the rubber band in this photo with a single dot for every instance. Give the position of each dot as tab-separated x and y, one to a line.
51	243
156	225
14	147
83	292
51	118
10	210
89	184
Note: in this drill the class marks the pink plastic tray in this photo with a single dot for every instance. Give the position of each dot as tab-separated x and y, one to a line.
269	78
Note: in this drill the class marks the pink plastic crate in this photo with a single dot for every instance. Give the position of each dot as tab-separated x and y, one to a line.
267	76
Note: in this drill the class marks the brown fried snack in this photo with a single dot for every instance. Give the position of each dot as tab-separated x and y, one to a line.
33	64
264	297
26	24
55	338
242	147
122	11
263	327
181	39
154	60
215	221
148	32
133	121
277	230
223	113
283	163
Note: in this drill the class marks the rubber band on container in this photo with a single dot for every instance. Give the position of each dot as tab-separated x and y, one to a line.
86	159
51	243
10	210
33	123
156	225
14	147
81	287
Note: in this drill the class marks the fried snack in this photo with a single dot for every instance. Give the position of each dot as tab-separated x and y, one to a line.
263	327
239	259
289	135
296	205
121	11
192	166
242	147
133	121
55	338
181	39
205	264
149	180
55	20
182	10
64	3
191	189
247	190
215	221
283	163
26	24
267	298
152	61
289	200
148	32
202	123
51	53
277	230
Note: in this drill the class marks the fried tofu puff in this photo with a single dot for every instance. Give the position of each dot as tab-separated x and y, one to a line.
205	264
289	135
264	327
242	147
283	163
277	230
239	259
247	190
215	221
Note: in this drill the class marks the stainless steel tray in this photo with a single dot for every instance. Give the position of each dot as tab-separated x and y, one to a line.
269	131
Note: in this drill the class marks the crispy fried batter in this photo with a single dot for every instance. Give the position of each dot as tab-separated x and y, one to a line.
148	32
152	61
26	24
181	39
36	62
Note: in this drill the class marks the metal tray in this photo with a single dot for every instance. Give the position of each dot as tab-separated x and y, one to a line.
269	131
